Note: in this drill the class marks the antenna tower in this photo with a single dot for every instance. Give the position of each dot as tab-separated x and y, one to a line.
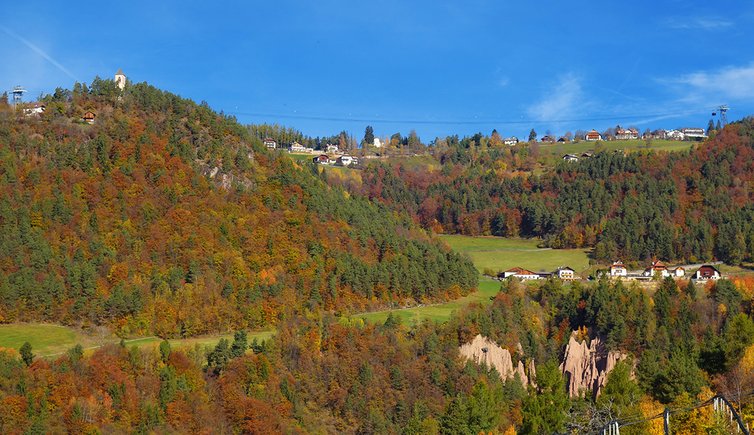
723	116
18	93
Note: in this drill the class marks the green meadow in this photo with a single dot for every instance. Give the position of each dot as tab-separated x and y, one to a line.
48	340
499	254
625	145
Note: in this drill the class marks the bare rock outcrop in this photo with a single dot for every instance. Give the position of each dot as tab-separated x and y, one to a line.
586	366
482	350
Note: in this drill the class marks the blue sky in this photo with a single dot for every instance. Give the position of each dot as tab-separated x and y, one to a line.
434	66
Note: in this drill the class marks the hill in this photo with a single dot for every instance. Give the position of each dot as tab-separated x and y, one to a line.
164	217
692	205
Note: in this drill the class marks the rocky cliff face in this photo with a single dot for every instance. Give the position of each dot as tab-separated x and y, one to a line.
585	367
484	351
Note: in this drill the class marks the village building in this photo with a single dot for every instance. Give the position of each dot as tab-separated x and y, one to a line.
565	273
344	160
563	139
657	268
707	272
520	273
623	134
674	135
678	272
89	117
586	155
37	109
693	133
270	143
618	269
298	148
593	136
513	140
548	139
333	149
322	159
571	158
120	79
377	143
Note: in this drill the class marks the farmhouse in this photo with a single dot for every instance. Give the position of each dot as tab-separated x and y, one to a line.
322	159
678	272
693	133
623	133
297	148
593	135
618	269
270	143
565	273
89	117
344	160
563	139
520	273
657	268
513	140
706	273
571	158
35	110
548	139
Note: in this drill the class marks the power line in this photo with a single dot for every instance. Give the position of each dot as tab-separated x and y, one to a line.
456	121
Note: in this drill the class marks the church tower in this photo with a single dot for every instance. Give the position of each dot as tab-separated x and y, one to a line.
120	79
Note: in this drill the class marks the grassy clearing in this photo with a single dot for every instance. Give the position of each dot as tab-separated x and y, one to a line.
496	253
499	253
45	339
488	288
49	340
625	145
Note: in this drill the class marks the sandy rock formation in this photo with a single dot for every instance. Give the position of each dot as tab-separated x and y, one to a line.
482	350
586	367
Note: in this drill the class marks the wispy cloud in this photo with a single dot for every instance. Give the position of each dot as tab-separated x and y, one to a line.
503	81
40	52
562	101
703	23
728	83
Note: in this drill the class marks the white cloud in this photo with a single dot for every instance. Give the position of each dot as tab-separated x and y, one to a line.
503	82
703	23
561	102
728	83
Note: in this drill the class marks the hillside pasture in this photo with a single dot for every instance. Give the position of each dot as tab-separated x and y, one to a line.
500	253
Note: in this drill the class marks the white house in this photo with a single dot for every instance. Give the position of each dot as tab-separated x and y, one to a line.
618	269
36	110
120	79
520	273
593	136
377	143
513	140
693	133
657	268
571	158
297	148
345	160
630	133
270	143
706	273
330	148
565	273
678	272
674	135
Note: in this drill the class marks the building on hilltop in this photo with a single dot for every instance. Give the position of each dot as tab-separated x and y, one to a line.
120	79
270	143
593	136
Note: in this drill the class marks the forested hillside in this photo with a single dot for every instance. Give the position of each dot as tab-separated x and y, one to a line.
165	217
326	374
696	205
